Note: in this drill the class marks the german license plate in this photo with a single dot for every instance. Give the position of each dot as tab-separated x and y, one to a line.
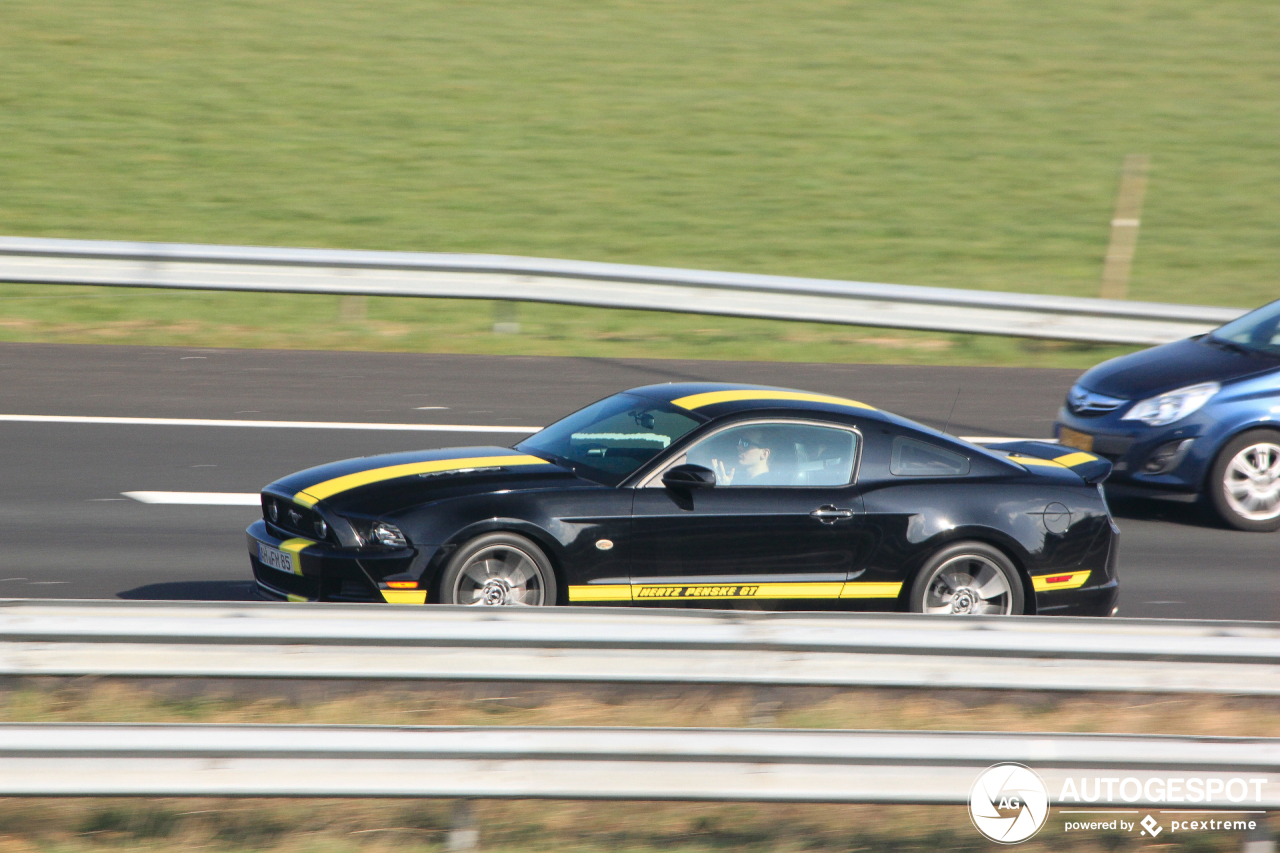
275	558
1072	438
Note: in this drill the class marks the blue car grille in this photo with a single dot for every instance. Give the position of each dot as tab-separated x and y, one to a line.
1087	404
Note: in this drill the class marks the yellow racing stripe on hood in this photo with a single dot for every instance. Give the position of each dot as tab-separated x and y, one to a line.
697	401
312	495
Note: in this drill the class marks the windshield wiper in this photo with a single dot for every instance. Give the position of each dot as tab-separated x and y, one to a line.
1229	345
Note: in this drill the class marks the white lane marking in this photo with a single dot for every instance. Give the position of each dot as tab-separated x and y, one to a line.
76	419
430	408
197	498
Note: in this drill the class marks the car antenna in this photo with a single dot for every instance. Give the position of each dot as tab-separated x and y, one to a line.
952	412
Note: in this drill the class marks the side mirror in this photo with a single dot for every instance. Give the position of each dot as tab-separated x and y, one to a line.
689	477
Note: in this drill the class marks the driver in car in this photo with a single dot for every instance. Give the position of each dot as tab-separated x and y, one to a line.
752	466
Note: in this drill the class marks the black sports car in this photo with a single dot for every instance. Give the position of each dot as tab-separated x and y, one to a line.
703	494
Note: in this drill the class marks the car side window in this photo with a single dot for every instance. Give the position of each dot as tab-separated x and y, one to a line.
778	454
913	458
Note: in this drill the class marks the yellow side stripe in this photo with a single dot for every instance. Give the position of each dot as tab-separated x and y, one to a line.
312	495
658	592
1075	459
697	401
1059	580
404	596
294	547
297	598
871	590
600	592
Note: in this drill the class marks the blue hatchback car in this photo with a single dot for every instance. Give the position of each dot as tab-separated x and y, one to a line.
1194	419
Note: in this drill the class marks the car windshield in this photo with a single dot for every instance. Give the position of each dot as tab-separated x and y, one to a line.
610	439
1256	331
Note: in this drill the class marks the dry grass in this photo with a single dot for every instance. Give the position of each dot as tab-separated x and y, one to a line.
374	826
457	704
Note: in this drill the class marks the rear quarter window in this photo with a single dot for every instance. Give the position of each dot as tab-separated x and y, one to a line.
914	458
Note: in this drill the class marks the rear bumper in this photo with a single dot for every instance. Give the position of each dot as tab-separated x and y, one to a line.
1099	592
324	572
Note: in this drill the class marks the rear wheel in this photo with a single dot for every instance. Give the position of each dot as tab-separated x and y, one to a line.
1244	483
968	579
499	569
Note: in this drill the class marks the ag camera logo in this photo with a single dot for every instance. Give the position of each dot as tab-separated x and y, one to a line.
1008	803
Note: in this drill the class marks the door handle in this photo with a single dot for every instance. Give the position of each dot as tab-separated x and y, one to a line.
828	514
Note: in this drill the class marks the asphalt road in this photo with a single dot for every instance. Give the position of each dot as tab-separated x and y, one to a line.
67	532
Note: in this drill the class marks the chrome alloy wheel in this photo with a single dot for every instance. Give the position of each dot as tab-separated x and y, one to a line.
1251	482
968	584
498	575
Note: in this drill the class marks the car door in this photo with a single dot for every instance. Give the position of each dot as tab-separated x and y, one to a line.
784	519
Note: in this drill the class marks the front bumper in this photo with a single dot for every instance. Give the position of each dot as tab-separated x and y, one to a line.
1128	445
326	572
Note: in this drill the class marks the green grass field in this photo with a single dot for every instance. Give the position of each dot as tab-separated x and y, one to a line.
974	145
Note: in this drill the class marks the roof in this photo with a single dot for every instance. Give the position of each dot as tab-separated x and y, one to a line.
717	399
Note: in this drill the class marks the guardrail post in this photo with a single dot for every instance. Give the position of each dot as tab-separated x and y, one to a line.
1260	840
463	832
506	317
353	309
765	705
1124	227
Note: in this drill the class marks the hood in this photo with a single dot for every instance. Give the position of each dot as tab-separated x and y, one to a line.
382	483
1163	368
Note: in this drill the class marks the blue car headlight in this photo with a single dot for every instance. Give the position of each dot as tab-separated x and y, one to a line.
1172	406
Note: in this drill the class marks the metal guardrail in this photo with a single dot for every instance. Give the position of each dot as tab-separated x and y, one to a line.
612	763
281	270
635	645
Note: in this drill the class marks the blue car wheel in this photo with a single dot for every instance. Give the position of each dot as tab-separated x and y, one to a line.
1244	483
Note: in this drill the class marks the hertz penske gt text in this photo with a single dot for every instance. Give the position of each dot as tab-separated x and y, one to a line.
703	494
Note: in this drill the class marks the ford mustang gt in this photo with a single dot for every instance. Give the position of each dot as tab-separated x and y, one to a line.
700	494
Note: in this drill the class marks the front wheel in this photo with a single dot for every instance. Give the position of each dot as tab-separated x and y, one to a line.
497	569
968	579
1244	483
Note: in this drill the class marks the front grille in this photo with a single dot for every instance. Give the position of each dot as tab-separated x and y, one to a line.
355	589
294	519
1088	404
1111	447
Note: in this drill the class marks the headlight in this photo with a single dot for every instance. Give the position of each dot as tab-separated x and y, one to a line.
1173	406
387	534
321	528
273	509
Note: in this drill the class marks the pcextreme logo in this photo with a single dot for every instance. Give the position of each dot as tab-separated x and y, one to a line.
1009	803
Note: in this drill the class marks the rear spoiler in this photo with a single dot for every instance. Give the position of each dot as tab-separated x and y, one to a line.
1090	467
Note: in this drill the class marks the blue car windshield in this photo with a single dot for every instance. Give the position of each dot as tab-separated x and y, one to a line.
1256	331
609	440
